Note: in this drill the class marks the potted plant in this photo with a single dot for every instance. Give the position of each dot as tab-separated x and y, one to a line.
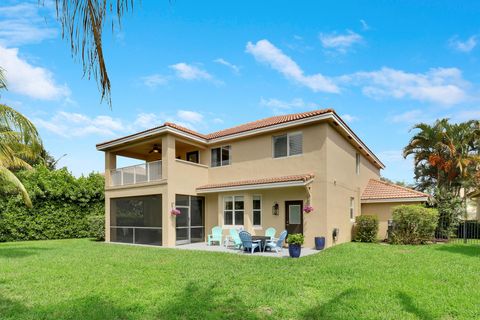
308	208
295	242
175	212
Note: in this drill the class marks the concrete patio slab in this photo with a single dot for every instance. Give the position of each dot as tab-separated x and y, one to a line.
202	246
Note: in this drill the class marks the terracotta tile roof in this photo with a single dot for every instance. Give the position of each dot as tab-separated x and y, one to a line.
176	126
238	129
381	190
302	177
258	124
262	123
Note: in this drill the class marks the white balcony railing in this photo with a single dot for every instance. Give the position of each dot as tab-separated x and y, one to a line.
145	172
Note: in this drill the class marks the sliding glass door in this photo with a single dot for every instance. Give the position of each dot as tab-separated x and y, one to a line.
190	222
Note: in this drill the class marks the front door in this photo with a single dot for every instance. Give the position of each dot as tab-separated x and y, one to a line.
294	216
190	222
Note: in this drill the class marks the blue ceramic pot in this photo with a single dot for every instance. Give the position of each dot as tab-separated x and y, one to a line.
294	250
319	243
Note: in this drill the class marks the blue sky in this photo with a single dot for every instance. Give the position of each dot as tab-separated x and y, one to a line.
209	65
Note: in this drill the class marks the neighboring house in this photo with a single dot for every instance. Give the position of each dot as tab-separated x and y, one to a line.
473	205
253	176
380	197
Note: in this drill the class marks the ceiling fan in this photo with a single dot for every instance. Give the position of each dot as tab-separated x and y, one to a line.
156	149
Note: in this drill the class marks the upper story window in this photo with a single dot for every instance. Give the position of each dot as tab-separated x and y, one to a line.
289	144
357	163
233	210
221	156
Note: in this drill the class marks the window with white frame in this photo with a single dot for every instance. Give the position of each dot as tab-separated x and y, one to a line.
288	144
257	211
357	163
233	210
352	208
221	156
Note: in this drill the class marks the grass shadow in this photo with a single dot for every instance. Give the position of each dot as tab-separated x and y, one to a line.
90	307
408	304
339	307
20	251
469	250
205	302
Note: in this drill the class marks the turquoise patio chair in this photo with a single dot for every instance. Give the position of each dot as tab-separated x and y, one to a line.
270	232
278	244
248	243
216	236
237	242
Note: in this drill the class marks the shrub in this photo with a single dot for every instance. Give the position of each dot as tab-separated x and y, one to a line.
97	227
62	205
366	228
295	238
413	224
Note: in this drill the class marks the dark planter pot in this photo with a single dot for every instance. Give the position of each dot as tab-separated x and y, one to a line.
319	243
294	250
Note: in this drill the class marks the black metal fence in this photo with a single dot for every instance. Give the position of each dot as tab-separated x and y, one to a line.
464	231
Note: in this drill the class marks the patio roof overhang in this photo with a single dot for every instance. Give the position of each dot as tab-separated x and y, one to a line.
265	183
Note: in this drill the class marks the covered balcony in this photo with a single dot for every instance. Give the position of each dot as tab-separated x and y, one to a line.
146	162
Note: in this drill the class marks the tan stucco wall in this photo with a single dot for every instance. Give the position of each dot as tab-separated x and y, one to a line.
384	213
214	210
326	154
342	182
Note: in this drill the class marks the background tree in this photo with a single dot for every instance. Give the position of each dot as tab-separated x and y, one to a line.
447	162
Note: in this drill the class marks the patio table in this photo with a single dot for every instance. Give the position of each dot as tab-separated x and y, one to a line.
263	240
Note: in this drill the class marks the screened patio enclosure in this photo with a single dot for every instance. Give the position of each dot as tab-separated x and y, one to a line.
136	220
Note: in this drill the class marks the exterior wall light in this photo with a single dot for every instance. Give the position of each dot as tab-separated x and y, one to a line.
275	209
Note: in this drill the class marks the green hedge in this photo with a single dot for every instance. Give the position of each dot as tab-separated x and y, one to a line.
366	228
413	224
63	206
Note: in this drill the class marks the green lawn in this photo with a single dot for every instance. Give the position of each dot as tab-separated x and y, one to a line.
81	279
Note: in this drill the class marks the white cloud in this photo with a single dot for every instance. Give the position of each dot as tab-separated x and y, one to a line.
217	120
68	124
465	115
463	46
340	42
147	121
410	117
267	53
365	26
154	80
349	118
444	86
26	23
190	72
282	107
26	79
190	116
71	125
234	68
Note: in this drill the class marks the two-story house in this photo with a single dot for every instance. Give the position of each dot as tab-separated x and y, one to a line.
254	176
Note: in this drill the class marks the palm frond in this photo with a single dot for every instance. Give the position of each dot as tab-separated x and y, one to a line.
3	79
10	178
82	25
